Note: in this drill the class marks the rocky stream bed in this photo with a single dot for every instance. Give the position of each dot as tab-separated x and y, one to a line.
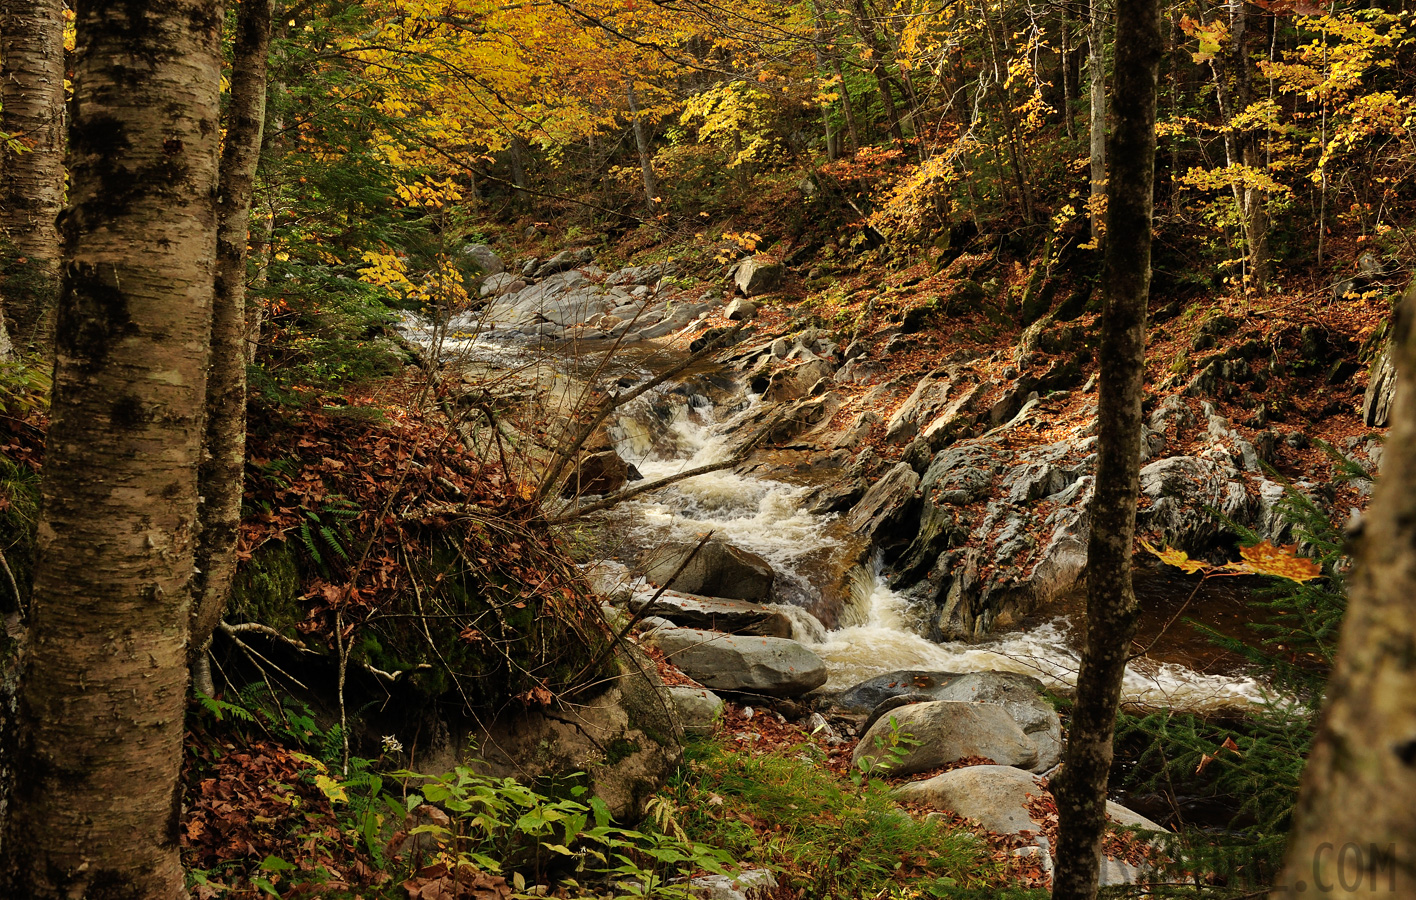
892	550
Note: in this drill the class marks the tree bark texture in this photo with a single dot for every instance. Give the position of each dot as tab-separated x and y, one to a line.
95	807
223	465
31	183
1354	830
1096	70
1111	601
646	158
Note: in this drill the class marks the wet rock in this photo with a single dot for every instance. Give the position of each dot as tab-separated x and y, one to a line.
598	473
755	276
1180	487
484	258
887	507
776	667
698	708
947	731
718	614
717	570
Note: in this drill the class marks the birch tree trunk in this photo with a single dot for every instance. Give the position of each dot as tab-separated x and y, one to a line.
222	472
1080	788
1096	69
1354	830
32	183
646	158
95	806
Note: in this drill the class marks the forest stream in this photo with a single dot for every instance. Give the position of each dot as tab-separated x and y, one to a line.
871	629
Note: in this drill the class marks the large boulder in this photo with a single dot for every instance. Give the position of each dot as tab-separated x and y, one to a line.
564	260
1019	695
1001	799
1381	389
598	473
776	667
946	731
626	740
484	258
755	276
717	614
698	709
499	284
884	513
718	569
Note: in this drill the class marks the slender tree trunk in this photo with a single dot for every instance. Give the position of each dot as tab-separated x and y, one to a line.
94	810
1111	602
865	27
646	157
1065	59
1096	71
221	477
1355	821
31	183
847	107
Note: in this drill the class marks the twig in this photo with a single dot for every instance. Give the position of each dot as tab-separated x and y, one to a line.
19	600
642	611
551	479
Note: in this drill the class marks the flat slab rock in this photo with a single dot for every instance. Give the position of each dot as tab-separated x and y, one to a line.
776	667
997	798
718	614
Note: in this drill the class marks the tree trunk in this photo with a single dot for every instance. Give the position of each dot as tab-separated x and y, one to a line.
1356	814
1111	603
94	811
646	158
847	107
1096	69
866	29
32	183
223	466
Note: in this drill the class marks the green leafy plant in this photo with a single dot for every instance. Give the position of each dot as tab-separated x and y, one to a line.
891	749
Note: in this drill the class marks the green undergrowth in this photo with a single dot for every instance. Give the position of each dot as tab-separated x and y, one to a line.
823	836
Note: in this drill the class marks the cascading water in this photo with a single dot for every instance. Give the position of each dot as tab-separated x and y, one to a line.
877	631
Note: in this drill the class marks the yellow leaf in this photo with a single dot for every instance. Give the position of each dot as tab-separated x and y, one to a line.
1177	558
1280	562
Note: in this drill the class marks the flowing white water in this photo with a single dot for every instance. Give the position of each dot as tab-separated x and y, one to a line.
879	631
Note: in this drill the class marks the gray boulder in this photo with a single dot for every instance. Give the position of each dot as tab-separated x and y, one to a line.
698	708
739	310
718	569
751	884
947	731
484	258
564	260
639	275
499	284
1019	695
776	667
887	505
756	277
997	798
